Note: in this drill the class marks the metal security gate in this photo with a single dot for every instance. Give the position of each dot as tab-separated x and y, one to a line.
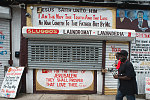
111	48
78	55
4	46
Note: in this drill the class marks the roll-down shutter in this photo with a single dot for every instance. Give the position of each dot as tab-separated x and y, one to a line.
4	46
111	49
65	55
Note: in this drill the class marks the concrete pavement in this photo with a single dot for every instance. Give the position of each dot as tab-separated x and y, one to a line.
64	97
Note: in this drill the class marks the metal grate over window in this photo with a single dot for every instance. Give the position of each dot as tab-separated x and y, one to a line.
64	54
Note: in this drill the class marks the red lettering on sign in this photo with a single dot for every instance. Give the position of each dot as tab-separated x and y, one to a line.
61	84
129	34
42	31
50	84
46	71
7	91
147	79
72	84
147	89
147	83
115	49
103	18
1	32
143	35
49	80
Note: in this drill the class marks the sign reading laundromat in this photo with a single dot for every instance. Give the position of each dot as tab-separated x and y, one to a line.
76	31
83	17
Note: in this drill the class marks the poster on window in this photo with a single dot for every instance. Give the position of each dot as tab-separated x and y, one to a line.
11	81
55	80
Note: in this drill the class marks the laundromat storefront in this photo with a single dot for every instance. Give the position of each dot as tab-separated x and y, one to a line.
66	62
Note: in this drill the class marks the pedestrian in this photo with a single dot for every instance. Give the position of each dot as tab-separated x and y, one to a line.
116	64
118	60
127	78
117	67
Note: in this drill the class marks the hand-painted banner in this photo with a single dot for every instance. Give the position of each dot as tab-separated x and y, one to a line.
82	17
63	79
11	81
140	50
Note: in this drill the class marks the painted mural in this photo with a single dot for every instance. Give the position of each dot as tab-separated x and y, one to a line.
138	20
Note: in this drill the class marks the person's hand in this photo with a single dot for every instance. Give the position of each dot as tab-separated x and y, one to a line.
115	76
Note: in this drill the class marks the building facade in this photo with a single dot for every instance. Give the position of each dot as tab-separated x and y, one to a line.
70	47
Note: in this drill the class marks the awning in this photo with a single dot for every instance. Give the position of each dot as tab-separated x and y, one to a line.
78	33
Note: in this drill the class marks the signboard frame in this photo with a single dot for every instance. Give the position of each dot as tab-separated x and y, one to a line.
11	82
94	91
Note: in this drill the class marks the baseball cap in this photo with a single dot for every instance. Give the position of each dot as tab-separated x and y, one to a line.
123	52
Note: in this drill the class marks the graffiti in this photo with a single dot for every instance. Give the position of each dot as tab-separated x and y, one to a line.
115	49
1	42
3	52
112	56
2	36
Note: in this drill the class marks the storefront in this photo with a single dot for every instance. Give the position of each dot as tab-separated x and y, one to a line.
61	63
5	16
112	48
67	47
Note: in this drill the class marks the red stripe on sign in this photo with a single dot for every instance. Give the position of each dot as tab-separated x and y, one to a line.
129	34
42	31
44	71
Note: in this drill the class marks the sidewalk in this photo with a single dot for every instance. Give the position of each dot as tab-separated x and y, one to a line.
64	97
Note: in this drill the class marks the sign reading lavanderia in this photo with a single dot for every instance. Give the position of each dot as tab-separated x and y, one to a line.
82	17
11	81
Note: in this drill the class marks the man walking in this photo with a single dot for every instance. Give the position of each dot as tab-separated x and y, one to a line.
127	78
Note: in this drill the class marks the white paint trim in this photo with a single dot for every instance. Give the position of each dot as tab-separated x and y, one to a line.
99	82
16	33
29	81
